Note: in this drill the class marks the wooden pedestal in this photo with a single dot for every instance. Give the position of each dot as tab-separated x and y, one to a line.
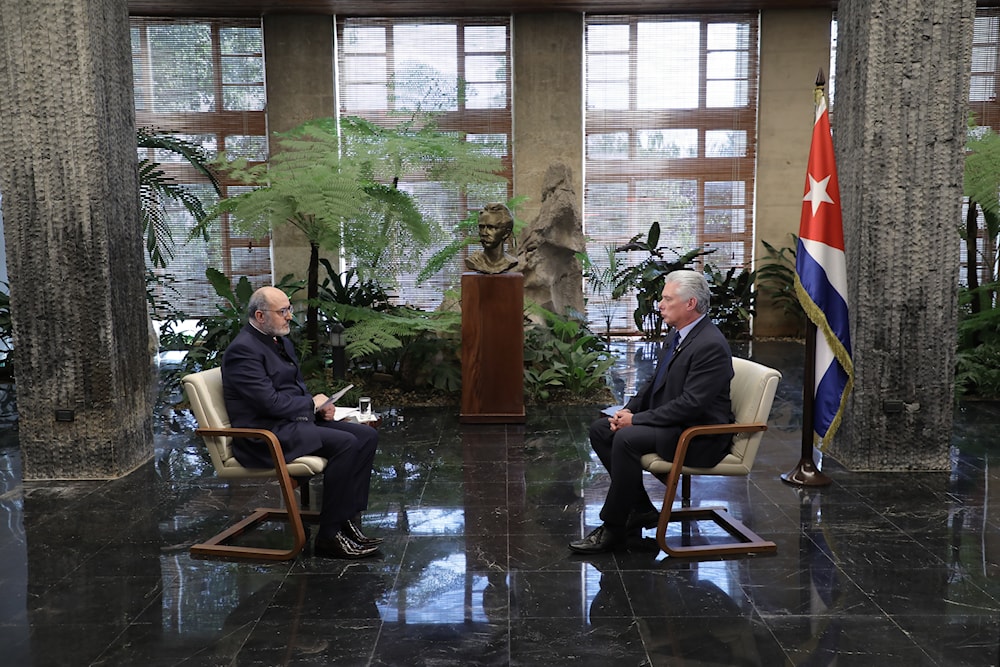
492	348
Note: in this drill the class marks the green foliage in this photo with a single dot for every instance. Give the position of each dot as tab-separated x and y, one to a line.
982	167
214	333
978	357
776	278
646	278
601	284
338	183
733	300
416	347
562	354
156	187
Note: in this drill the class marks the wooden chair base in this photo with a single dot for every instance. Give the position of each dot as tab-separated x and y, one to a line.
217	547
749	541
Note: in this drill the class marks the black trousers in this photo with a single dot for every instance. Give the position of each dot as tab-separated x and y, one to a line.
621	452
349	449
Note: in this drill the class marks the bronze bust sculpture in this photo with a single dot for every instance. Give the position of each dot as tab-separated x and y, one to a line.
495	226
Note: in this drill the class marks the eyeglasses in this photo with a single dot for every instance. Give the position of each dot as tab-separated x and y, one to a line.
284	312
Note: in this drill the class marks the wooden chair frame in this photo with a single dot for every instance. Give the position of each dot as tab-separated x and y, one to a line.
204	390
217	546
749	541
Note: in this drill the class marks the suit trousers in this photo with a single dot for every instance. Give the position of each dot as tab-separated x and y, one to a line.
349	449
621	452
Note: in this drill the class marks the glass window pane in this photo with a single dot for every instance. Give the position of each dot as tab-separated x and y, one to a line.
242	69
364	68
734	36
480	39
725	143
241	41
243	98
726	94
611	146
607	38
486	68
357	39
251	147
668	67
181	85
486	96
607	67
357	97
609	95
668	143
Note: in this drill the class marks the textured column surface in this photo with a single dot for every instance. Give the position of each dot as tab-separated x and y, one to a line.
899	121
548	116
73	238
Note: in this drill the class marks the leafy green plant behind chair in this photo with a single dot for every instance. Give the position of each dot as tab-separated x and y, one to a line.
647	276
562	354
775	278
733	300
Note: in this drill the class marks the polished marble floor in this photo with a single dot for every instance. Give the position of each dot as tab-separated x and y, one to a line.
874	569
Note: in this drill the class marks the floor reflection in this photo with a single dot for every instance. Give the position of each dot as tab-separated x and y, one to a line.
873	569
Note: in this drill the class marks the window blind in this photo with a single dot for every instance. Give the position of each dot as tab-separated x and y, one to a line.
203	80
671	106
459	70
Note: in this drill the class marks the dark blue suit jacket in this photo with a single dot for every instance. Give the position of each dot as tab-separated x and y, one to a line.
694	391
264	388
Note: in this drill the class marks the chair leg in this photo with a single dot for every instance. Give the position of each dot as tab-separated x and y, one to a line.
216	546
749	541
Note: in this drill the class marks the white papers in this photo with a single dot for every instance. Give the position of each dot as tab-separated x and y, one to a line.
334	398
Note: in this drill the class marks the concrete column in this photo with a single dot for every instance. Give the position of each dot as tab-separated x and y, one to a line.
548	102
68	172
299	56
794	45
899	133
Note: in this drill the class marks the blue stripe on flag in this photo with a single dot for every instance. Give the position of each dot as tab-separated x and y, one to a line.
828	392
814	280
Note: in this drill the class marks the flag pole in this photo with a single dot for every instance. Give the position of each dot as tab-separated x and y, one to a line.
806	472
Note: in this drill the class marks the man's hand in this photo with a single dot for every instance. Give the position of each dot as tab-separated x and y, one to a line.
621	419
326	413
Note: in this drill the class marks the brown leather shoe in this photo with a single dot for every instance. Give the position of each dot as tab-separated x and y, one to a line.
341	546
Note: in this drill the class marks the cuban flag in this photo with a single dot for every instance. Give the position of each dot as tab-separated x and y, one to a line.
821	280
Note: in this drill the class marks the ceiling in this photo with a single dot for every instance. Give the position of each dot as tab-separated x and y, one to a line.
453	8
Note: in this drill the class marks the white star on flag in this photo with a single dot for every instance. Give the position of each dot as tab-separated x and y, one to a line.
817	193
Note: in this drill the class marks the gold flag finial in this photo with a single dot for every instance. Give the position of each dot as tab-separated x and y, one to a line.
820	83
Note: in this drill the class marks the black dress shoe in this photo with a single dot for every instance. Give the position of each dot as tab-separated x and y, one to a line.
353	531
341	546
599	541
642	519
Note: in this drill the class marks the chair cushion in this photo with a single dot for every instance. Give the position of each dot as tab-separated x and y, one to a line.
752	391
208	404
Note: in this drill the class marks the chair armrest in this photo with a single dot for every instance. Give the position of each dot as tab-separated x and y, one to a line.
694	431
277	454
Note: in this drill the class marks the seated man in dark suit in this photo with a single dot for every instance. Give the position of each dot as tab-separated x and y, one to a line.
691	387
263	388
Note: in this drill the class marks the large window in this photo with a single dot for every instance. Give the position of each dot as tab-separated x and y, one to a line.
204	81
670	137
457	69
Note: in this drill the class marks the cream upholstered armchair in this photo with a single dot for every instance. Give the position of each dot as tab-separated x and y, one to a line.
204	391
752	391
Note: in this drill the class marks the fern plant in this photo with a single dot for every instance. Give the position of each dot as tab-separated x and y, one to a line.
338	183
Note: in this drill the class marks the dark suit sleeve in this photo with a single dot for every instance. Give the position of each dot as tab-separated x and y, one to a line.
703	379
265	383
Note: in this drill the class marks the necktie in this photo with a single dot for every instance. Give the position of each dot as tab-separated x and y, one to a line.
662	370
